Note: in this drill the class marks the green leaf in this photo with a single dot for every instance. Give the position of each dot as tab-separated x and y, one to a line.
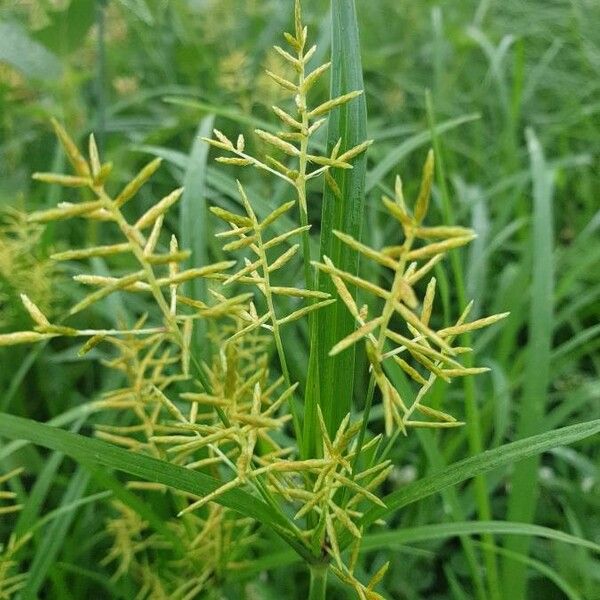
523	496
542	568
111	588
444	530
68	28
425	533
69	507
394	156
29	516
237	116
60	420
472	413
50	544
516	530
482	463
140	9
31	510
94	452
331	324
193	223
143	509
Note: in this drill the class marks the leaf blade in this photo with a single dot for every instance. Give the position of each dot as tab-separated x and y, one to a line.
348	123
97	452
482	463
523	497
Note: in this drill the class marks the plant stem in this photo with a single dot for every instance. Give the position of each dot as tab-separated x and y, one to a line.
276	332
303	163
310	448
318	582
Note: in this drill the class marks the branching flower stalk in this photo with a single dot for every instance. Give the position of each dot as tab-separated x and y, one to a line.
250	233
431	350
92	174
295	143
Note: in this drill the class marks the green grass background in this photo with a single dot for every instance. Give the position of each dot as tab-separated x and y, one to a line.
510	91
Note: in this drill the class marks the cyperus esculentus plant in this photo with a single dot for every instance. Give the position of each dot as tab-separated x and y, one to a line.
238	415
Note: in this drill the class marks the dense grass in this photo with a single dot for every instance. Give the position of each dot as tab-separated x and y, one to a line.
513	115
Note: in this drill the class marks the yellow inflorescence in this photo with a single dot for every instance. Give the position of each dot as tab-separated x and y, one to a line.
431	351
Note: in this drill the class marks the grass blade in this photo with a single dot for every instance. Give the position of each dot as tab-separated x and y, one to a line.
102	580
472	412
451	498
523	496
444	530
438	531
237	116
514	530
120	492
482	463
61	420
193	223
394	156
542	568
348	123
49	547
430	445
94	452
31	510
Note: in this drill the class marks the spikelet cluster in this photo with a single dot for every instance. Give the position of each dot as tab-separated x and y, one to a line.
250	233
331	504
7	499
152	357
147	365
234	432
22	266
223	427
421	352
10	580
212	539
155	272
291	157
208	548
346	574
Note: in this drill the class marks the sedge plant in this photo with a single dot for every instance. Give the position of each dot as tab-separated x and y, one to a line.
234	412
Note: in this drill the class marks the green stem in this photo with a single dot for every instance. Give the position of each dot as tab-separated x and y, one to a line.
302	167
318	582
310	446
361	435
276	332
101	73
